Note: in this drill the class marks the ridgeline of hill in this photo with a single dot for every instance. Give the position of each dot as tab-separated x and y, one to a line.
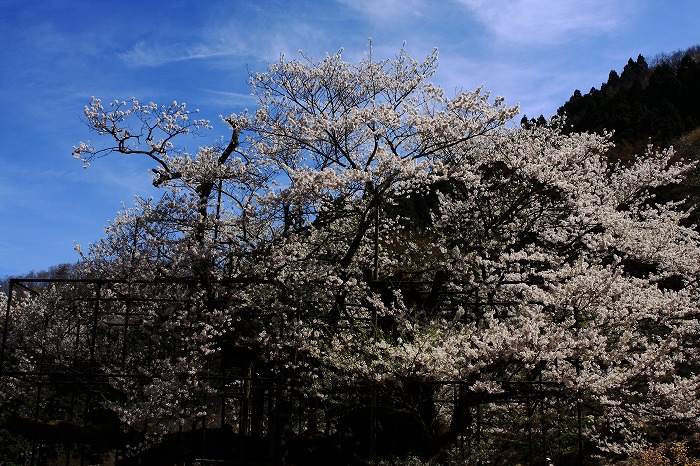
656	103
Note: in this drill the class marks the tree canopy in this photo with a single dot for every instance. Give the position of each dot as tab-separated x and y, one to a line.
394	244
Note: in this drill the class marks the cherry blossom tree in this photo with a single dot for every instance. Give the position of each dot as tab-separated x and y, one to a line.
407	241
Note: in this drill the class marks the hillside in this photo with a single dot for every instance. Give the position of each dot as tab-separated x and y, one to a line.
657	102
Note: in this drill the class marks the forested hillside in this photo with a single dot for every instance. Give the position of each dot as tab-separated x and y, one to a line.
657	102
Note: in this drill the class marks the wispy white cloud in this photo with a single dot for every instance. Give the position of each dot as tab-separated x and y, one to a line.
251	33
145	54
546	21
231	39
388	10
227	99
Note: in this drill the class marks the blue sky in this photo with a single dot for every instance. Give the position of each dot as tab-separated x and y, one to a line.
55	55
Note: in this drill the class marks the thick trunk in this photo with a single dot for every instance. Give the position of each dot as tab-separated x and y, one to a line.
461	419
